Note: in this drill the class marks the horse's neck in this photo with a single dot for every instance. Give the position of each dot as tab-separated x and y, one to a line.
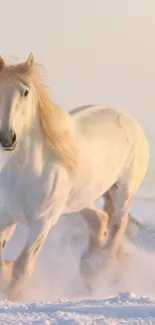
33	152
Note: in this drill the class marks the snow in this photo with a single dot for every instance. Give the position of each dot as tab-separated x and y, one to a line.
124	309
56	294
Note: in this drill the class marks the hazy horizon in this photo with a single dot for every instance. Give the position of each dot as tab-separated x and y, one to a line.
94	52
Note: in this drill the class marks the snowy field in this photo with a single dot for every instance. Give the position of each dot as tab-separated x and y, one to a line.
56	294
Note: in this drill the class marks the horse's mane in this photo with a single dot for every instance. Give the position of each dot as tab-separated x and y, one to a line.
54	122
56	127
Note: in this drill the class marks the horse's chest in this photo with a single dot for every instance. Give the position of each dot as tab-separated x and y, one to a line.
24	196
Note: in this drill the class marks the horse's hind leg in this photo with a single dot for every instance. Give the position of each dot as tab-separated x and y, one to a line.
97	222
122	194
123	191
122	199
109	208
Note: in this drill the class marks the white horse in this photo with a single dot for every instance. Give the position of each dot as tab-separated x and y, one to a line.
59	163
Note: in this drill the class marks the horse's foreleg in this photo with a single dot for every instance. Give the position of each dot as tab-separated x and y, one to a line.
8	232
97	222
5	235
5	266
24	265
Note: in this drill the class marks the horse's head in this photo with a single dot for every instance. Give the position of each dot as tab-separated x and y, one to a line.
25	105
17	102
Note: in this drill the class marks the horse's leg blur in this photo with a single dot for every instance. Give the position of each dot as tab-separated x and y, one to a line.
97	222
24	265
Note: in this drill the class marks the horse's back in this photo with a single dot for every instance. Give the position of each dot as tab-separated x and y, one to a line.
99	121
108	140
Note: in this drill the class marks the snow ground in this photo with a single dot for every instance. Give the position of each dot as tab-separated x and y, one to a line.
123	309
130	301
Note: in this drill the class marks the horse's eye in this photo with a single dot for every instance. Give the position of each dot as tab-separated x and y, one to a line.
25	93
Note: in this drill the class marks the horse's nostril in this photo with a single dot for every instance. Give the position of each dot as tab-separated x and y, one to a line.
13	138
8	140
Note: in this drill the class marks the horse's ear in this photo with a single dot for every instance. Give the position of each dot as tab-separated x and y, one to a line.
2	64
28	65
30	61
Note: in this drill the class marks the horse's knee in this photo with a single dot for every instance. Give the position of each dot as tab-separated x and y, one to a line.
99	231
97	221
103	227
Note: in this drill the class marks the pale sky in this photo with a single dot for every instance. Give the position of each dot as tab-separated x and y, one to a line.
94	51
